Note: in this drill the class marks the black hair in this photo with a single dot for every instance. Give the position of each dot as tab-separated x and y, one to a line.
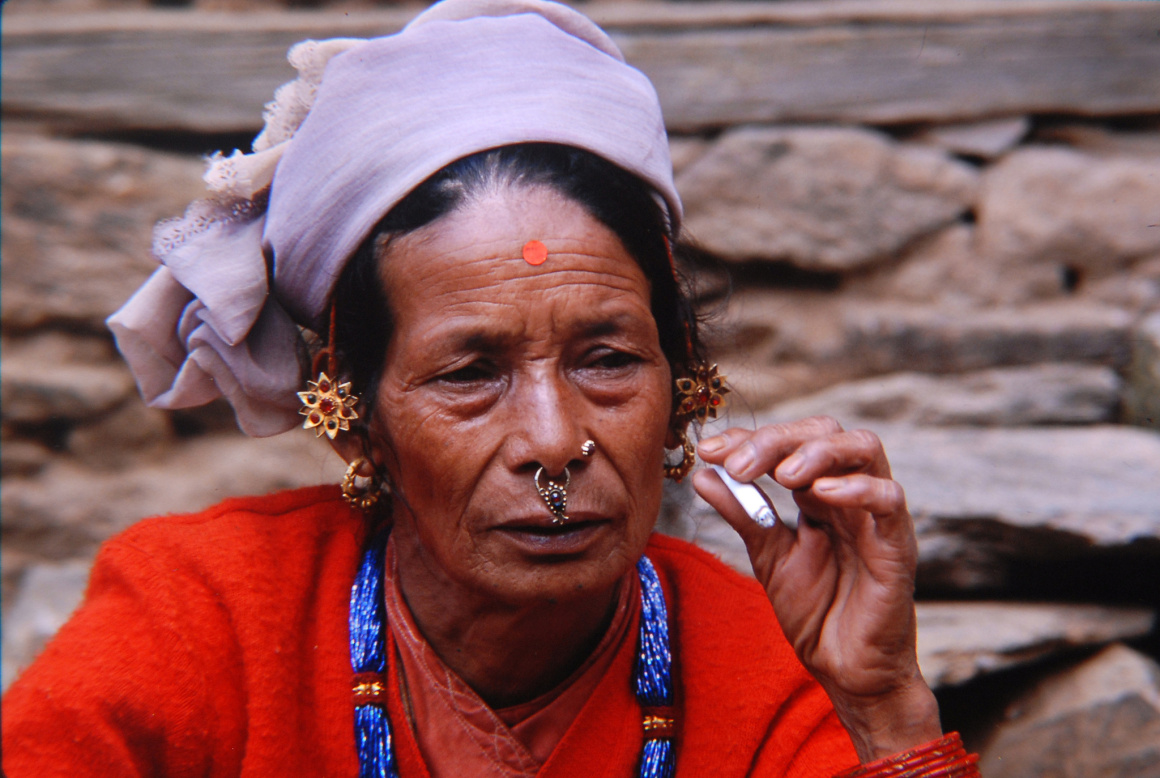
616	198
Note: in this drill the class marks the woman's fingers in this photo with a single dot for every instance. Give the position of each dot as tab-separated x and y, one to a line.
839	500
840	479
797	453
879	496
856	451
748	454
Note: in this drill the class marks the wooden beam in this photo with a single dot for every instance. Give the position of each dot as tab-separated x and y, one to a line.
714	64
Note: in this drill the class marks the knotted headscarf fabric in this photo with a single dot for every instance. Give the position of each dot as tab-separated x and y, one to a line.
364	124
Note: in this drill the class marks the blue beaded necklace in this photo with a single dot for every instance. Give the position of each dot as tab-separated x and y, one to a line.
651	678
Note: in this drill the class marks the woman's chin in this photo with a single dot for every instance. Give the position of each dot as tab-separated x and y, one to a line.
537	562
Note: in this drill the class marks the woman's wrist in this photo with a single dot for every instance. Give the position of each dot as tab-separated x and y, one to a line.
941	758
888	724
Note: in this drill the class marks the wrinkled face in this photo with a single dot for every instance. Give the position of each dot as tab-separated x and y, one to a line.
497	368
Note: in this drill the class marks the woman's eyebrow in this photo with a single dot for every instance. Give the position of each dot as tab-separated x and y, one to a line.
482	338
609	325
601	327
472	338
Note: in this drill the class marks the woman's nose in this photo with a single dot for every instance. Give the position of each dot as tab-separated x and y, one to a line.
547	416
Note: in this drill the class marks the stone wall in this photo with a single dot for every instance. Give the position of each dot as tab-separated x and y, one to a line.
940	221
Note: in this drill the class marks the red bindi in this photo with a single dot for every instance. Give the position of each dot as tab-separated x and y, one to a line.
535	252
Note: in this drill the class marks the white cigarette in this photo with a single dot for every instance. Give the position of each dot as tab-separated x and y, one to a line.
750	497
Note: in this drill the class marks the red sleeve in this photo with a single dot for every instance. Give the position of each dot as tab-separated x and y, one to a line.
122	689
816	745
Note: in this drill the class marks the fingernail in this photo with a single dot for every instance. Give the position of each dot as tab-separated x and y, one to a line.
792	466
738	463
829	485
709	445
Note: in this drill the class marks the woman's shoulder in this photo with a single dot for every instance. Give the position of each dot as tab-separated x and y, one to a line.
274	523
267	547
197	629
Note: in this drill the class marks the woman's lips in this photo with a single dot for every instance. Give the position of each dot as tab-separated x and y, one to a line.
544	537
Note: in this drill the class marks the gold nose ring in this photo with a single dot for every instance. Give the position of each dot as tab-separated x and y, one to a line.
555	495
588	447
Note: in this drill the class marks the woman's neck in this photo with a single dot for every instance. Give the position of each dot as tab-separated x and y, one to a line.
508	654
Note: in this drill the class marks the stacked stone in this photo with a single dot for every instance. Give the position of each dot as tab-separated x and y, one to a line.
935	227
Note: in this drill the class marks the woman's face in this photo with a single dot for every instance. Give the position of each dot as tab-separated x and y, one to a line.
497	368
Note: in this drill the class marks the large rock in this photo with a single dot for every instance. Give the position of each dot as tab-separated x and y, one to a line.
1142	398
1005	397
822	198
949	270
23	457
887	338
118	439
1097	483
1052	223
77	225
958	641
994	507
1092	214
986	139
1135	289
67	508
685	150
780	344
52	377
1100	718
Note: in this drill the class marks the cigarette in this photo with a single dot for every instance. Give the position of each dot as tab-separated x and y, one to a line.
750	497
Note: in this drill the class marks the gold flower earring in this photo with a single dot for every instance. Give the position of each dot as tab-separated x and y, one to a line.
700	395
328	405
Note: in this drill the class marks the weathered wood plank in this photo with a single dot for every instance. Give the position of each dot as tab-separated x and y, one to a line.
1068	63
868	61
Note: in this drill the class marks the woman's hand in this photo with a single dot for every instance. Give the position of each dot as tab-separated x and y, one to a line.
842	583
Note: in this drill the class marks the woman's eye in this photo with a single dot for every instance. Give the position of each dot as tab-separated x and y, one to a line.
611	360
467	374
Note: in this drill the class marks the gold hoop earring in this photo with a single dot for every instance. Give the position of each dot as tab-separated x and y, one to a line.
678	471
361	497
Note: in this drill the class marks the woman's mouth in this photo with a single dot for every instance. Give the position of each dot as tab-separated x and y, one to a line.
565	538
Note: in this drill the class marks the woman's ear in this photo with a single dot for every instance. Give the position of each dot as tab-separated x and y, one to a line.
348	445
675	437
354	444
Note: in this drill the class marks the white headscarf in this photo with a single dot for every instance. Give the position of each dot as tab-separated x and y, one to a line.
365	123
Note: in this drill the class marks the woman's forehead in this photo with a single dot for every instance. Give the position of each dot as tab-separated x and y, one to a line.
530	238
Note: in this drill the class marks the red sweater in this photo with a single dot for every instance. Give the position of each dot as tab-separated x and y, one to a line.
216	644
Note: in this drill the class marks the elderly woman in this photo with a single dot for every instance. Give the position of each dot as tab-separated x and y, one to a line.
451	253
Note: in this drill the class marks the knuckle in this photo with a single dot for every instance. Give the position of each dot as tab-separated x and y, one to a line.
865	439
769	435
824	425
898	494
891	493
819	447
